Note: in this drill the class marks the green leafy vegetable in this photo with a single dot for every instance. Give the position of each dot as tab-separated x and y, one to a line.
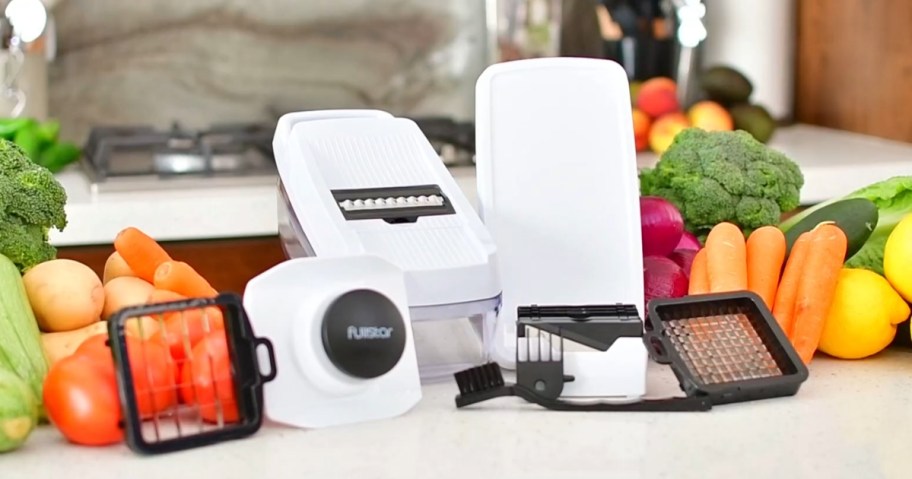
29	139
58	155
716	176
893	198
49	131
9	126
40	142
31	203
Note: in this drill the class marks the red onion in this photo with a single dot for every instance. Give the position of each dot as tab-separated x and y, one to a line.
689	241
662	278
662	226
684	258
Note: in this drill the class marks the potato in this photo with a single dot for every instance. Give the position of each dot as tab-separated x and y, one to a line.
64	294
115	267
60	345
123	292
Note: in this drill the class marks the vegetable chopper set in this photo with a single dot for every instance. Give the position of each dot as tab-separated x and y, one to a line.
546	276
558	190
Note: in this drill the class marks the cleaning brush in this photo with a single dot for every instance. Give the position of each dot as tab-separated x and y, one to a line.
480	384
485	382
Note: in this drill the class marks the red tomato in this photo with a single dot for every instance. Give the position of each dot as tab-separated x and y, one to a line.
95	348
183	330
81	401
151	366
207	379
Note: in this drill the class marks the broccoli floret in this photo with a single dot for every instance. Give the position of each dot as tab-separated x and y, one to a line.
25	245
716	176
31	203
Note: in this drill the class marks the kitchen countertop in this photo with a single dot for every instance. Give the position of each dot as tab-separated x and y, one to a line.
849	420
834	163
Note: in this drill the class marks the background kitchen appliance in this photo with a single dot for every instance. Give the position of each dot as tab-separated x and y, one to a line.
363	181
343	340
130	158
759	40
649	38
558	191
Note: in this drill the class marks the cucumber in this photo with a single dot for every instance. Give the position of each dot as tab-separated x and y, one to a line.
18	411
21	350
857	217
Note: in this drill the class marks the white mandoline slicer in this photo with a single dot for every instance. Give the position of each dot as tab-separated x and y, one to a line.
364	182
558	191
342	339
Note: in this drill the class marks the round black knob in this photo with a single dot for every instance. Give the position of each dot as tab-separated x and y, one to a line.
363	333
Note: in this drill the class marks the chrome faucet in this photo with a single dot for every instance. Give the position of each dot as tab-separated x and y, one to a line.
21	23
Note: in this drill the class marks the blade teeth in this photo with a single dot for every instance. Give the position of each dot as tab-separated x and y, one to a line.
391	202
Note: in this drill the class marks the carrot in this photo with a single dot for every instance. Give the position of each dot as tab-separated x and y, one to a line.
181	278
726	258
784	304
765	255
699	282
164	296
817	286
141	253
178	324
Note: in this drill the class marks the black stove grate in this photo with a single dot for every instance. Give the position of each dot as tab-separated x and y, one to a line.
124	151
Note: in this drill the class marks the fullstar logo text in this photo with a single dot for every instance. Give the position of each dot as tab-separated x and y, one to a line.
368	332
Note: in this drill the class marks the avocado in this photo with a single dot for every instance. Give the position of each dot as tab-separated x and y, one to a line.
634	91
753	119
725	85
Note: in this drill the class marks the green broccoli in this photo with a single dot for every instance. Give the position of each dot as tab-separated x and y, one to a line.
31	203
716	176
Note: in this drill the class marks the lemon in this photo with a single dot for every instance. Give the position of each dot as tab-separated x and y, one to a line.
898	257
863	315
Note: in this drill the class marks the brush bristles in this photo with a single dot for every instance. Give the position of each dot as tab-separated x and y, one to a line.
480	378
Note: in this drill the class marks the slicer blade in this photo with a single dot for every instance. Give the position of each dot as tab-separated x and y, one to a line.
356	182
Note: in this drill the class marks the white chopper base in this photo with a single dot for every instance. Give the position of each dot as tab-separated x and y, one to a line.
287	304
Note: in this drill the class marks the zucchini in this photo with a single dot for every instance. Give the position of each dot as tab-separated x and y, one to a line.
18	411
857	217
21	350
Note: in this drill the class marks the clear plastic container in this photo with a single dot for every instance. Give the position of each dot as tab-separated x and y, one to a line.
448	337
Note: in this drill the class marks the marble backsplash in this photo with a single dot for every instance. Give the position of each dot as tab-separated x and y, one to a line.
203	62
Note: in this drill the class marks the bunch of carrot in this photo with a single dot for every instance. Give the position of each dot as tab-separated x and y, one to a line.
798	289
172	281
150	262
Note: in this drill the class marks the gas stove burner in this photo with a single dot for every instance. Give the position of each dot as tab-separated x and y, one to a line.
454	141
121	156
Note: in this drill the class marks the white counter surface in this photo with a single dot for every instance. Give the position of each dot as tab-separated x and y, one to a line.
834	163
849	420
